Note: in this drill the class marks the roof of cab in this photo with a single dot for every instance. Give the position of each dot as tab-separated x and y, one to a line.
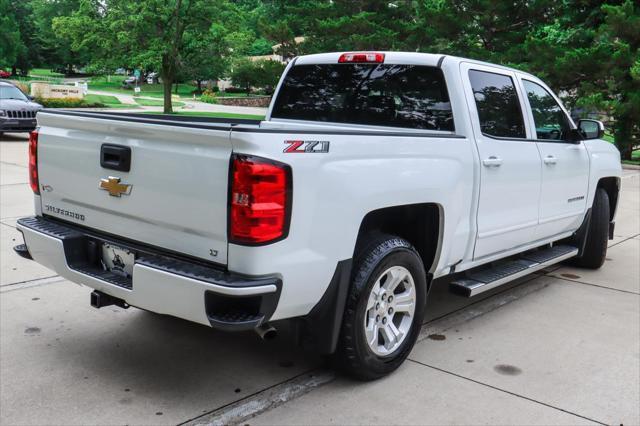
405	58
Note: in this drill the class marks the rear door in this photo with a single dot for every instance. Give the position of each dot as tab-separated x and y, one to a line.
565	164
172	194
509	161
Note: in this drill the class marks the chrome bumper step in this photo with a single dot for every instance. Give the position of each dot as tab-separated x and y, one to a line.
479	281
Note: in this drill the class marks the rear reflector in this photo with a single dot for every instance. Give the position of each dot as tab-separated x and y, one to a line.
33	162
364	57
260	200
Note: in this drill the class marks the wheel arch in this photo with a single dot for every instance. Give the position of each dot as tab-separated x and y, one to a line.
612	186
420	224
320	328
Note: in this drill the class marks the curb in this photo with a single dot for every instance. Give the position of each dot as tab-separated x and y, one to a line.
241	411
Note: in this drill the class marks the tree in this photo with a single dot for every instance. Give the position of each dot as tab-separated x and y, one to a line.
55	51
247	74
597	63
269	73
206	58
244	74
10	42
27	49
146	34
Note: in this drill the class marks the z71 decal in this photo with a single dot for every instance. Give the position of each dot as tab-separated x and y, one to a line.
301	147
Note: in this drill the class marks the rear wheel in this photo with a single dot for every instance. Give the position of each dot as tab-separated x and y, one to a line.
384	310
595	249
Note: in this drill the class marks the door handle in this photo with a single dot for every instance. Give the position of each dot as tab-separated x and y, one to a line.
492	161
550	160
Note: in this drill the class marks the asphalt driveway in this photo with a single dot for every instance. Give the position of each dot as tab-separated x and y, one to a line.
561	347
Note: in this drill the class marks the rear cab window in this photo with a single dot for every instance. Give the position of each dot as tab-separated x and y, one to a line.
390	95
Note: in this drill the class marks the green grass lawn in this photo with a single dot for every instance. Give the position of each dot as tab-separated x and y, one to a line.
108	101
105	99
29	78
159	102
114	84
43	72
213	114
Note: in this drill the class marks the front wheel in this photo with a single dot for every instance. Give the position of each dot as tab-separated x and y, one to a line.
384	309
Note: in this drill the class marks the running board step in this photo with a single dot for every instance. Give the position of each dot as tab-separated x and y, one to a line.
526	263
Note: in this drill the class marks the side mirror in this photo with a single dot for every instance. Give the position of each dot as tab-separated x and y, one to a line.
31	98
591	129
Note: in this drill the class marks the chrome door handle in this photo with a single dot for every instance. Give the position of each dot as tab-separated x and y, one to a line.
492	161
550	159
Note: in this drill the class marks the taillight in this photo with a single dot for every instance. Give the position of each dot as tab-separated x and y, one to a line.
33	162
364	57
260	200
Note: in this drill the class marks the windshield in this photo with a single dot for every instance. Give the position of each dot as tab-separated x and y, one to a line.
409	96
10	92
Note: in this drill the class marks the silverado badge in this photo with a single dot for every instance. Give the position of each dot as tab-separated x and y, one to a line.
115	188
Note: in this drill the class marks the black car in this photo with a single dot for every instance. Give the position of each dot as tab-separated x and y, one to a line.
17	110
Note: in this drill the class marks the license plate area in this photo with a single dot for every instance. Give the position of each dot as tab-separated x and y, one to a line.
117	260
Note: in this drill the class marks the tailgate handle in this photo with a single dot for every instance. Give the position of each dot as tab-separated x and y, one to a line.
115	157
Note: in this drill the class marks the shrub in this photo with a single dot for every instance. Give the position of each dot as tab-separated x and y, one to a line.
68	103
209	97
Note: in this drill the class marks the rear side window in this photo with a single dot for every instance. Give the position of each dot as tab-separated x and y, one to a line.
410	96
497	103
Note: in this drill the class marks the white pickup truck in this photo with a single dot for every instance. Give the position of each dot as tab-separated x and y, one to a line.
372	175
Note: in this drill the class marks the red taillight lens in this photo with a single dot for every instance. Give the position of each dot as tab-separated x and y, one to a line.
260	203
33	162
364	57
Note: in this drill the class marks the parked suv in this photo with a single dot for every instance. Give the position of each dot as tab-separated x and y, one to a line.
17	110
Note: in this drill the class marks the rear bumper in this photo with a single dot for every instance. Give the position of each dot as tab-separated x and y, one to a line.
160	282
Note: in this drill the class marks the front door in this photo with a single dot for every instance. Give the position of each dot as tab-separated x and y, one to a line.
510	165
565	164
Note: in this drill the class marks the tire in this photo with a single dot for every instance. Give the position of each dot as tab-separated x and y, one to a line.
382	261
595	249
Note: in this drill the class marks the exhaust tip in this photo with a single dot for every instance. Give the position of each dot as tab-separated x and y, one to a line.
266	331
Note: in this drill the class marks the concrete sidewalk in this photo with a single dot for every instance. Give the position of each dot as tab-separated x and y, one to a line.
561	347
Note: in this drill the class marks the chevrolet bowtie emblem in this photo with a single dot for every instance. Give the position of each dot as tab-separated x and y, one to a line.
115	188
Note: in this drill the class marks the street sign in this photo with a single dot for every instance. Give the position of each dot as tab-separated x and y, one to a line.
136	73
136	89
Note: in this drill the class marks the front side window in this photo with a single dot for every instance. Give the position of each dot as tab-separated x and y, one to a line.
409	96
498	105
550	121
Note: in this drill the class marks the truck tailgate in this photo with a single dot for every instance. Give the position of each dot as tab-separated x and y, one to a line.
177	198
